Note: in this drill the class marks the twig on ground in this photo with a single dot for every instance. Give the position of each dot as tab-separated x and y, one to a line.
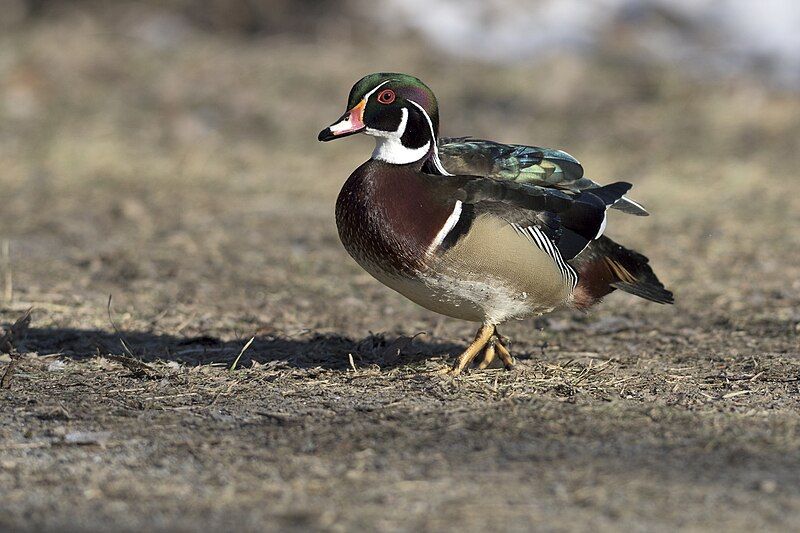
227	391
134	365
185	323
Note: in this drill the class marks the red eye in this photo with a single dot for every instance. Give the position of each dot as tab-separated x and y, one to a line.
386	96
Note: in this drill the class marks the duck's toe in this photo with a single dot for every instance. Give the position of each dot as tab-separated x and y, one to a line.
465	359
503	353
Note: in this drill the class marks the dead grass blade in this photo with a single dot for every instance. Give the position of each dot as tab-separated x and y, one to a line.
8	286
125	346
8	345
129	361
15	332
244	349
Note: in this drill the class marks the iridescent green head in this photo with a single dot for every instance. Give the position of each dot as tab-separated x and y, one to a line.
399	110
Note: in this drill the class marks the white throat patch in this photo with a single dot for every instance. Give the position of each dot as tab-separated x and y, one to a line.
389	148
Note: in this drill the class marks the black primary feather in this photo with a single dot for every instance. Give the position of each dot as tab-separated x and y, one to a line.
585	218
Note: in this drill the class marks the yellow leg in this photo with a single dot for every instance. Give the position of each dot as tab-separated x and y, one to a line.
505	355
494	348
464	360
488	355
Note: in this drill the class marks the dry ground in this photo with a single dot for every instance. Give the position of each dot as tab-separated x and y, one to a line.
182	176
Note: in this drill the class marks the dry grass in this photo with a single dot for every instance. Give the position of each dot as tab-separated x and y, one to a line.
183	177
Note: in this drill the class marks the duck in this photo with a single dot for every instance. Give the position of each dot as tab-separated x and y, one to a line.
474	229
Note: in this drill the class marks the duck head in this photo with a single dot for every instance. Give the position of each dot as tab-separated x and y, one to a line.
398	110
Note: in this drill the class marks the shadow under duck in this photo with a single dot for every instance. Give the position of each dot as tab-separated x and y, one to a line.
475	229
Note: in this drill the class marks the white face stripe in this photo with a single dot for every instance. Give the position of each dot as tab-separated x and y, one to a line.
389	147
347	125
401	128
435	157
366	96
449	224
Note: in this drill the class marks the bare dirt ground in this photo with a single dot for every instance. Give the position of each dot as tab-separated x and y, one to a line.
182	176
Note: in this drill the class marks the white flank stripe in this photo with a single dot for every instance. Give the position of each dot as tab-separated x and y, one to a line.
438	163
449	224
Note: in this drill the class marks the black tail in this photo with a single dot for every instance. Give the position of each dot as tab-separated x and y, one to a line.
585	218
605	265
611	193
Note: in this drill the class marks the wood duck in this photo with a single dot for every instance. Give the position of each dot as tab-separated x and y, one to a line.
475	229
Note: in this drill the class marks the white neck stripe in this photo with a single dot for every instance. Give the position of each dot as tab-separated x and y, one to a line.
435	156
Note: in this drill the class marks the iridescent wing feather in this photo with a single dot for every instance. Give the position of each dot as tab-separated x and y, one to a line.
543	167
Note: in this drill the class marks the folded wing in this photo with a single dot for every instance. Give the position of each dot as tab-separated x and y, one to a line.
521	164
569	220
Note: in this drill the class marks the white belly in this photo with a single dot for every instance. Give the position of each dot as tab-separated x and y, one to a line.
490	300
491	275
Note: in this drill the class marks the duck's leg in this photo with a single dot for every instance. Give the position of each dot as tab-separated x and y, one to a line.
494	347
488	355
481	338
502	351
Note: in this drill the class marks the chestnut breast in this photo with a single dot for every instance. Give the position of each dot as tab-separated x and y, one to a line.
387	217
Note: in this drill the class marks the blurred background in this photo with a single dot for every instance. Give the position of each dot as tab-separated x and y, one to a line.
165	153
